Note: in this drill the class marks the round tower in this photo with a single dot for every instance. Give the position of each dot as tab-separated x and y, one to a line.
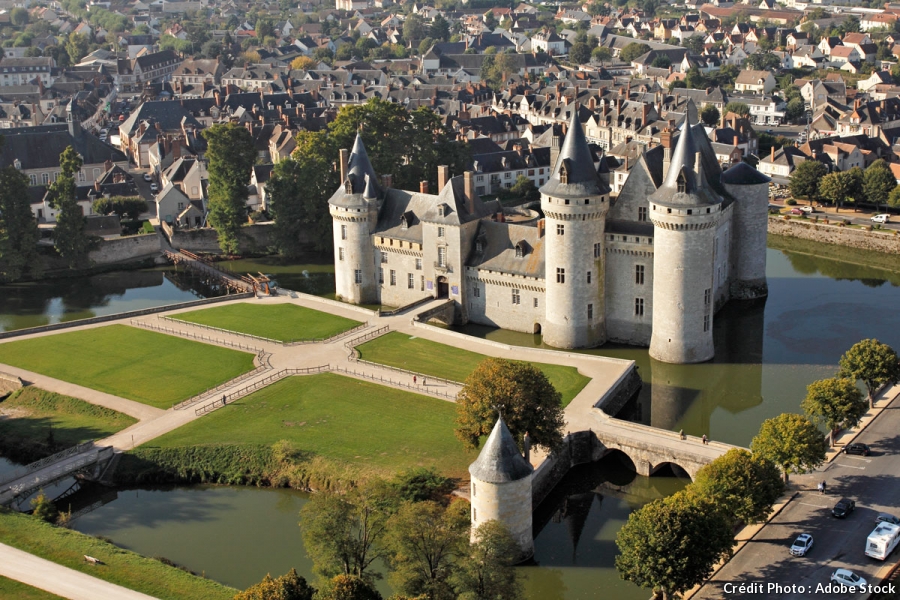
750	218
575	201
501	488
354	212
684	211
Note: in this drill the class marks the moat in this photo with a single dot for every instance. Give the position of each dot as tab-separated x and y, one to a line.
766	353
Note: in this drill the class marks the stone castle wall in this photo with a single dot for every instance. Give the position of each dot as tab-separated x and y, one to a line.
252	238
125	249
508	503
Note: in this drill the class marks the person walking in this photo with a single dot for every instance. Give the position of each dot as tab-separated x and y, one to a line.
681	434
823	487
424	381
414	380
704	438
223	399
820	487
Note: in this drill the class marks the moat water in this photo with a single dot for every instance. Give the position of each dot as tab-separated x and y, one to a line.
821	301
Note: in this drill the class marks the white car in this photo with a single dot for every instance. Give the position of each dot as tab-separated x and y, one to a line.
848	578
147	177
802	545
807	209
104	131
883	218
154	188
102	137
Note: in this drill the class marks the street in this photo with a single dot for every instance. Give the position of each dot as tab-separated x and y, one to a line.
872	481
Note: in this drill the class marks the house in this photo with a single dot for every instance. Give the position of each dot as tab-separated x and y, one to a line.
759	82
870	21
153	119
549	42
156	66
25	71
844	54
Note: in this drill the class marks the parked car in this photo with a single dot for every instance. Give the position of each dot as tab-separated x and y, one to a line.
147	177
843	508
154	188
801	545
808	209
103	137
882	218
848	578
887	518
104	131
856	448
797	211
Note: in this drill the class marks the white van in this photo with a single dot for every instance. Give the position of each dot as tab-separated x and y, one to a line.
883	540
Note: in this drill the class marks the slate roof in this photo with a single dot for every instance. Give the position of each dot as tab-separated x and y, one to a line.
575	158
743	174
41	146
498	249
696	192
500	460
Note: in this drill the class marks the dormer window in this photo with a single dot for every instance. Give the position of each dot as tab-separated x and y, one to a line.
348	186
479	247
17	164
521	248
564	171
681	183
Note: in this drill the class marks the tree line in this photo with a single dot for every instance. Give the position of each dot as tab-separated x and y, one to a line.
876	185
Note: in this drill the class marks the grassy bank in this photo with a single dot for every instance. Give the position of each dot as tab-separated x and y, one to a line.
336	429
431	358
10	588
35	423
122	567
137	364
283	322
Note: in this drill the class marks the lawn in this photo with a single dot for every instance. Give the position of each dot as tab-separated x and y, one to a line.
340	419
35	423
141	365
122	567
282	322
431	358
10	588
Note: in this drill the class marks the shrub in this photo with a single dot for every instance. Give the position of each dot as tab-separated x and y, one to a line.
44	508
791	202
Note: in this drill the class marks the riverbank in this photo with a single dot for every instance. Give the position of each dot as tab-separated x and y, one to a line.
875	240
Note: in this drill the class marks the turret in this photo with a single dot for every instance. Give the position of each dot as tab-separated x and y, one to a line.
750	188
685	211
575	201
354	211
501	488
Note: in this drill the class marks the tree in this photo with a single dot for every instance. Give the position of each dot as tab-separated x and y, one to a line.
420	484
661	62
348	587
580	53
18	17
70	239
425	45
792	442
486	571
878	183
795	109
524	188
413	28
743	485
523	395
633	50
43	508
424	540
835	402
695	80
672	544
440	28
123	206
763	61
840	187
601	53
18	229
303	63
710	115
738	108
805	179
343	533
290	586
872	362
77	46
212	49
230	154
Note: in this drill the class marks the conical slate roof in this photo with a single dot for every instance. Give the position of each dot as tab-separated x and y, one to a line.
500	460
575	158
696	190
359	166
743	174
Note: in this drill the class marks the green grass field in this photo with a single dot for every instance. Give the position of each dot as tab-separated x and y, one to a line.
431	358
33	418
10	589
141	365
123	567
338	418
283	322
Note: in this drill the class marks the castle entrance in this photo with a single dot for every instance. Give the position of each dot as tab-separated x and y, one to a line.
443	288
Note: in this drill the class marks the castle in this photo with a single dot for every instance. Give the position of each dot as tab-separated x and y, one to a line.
649	267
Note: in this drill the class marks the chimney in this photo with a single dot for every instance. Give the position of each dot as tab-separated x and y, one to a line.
592	103
736	140
443	177
665	140
344	159
772	154
469	190
176	148
540	228
645	111
555	146
218	98
387	180
423	187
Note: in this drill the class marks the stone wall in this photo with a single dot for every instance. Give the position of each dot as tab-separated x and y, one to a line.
806	229
577	449
253	239
125	249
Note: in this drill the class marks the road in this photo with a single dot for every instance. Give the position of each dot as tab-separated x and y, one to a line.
873	482
863	217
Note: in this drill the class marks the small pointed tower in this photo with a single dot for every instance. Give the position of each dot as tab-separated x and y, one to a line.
750	188
354	212
685	212
501	488
575	201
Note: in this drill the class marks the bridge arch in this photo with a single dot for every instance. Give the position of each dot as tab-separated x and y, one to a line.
670	466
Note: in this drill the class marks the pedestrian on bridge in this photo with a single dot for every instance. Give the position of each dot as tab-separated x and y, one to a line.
705	439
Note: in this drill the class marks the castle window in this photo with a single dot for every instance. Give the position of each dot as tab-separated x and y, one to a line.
639	274
566	201
639	307
705	322
560	275
411	281
384	258
380	275
393	277
418	264
588	276
476	291
707	211
598	250
440	232
560	229
515	297
669	210
357	276
642	213
535	302
690	212
474	514
473	490
707	296
422	283
590	312
340	254
442	256
587	200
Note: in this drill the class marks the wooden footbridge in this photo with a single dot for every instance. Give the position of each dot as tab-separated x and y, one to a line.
231	282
